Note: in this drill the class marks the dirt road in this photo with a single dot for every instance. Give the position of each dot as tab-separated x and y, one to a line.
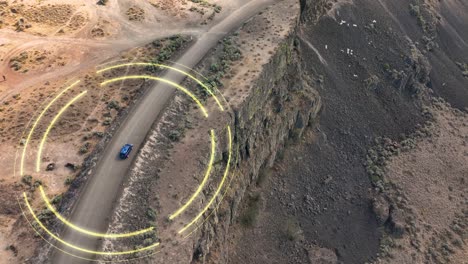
96	202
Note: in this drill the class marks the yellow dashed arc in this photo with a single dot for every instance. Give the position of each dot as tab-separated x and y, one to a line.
84	231
202	184
220	186
171	68
44	137
70	254
37	122
191	95
218	203
80	248
173	215
214	87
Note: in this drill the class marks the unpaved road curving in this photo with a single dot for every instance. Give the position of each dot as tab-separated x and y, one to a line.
96	202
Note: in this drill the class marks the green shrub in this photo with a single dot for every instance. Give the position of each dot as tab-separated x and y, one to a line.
263	176
57	199
386	67
250	215
113	105
85	148
174	43
174	135
151	214
214	67
68	181
414	10
44	215
107	121
27	179
87	136
292	230
98	134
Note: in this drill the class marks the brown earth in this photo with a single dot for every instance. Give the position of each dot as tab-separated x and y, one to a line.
70	141
429	193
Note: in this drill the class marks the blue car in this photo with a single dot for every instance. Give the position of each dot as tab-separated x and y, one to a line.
125	151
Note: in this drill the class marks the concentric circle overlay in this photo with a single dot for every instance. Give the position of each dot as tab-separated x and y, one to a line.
177	212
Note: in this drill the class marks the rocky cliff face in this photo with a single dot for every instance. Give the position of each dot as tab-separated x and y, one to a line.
313	10
272	101
281	105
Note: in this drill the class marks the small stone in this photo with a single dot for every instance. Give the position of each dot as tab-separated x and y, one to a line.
50	167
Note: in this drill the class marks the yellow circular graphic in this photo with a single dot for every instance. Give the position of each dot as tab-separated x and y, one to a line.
191	225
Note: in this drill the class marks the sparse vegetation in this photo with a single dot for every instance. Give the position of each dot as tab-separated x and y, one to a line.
175	43
87	136
463	67
98	134
16	63
151	213
385	148
72	166
107	121
57	199
30	182
113	105
135	13
372	82
415	10
219	69
85	148
27	179
217	8
102	2
386	67
250	214
68	181
292	229
263	176
174	135
44	215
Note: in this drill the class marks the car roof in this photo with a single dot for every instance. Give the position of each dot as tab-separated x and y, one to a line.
126	147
